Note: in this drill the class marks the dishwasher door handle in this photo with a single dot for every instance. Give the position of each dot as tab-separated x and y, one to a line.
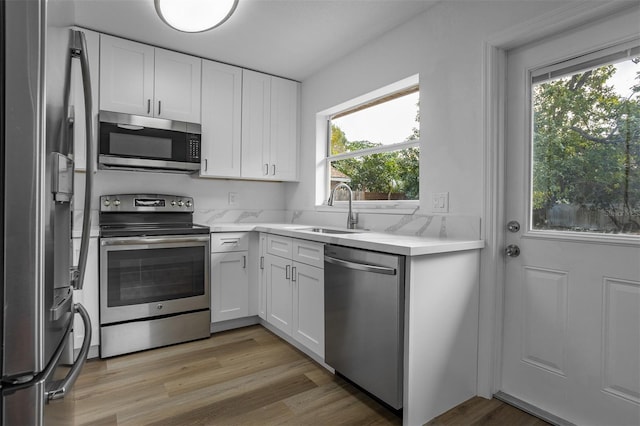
361	266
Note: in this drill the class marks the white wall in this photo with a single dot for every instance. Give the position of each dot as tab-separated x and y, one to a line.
445	46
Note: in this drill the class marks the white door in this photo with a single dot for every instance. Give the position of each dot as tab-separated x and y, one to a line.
229	286
126	76
177	86
308	306
571	330
283	152
221	119
279	292
256	122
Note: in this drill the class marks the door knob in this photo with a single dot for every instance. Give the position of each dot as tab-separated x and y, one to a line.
513	226
512	250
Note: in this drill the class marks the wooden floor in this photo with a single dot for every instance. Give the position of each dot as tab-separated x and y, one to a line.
241	377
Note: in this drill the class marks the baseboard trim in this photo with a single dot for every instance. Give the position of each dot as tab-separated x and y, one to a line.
217	327
531	409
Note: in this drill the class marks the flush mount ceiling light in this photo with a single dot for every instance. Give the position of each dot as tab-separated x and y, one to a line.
194	16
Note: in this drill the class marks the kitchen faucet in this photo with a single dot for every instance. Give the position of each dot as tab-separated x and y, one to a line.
352	218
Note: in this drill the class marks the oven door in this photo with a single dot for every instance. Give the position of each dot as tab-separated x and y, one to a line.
146	277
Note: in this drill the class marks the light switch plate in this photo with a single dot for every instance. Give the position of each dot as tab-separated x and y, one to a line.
233	198
440	202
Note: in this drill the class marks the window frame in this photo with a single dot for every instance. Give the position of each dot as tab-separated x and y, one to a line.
385	94
549	72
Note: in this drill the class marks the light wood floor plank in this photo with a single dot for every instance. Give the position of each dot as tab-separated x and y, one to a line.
240	377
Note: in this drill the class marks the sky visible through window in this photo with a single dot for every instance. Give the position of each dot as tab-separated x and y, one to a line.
373	125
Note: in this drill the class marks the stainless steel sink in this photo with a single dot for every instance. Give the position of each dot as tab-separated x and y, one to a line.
330	231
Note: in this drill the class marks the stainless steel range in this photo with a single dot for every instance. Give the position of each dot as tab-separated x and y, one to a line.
154	273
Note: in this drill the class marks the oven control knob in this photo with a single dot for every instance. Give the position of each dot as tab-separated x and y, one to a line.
107	203
180	203
173	204
188	204
116	203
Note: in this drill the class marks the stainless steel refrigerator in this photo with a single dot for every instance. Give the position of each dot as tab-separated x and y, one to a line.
37	309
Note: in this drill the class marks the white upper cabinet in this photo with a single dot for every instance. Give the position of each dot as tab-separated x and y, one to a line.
269	127
126	76
221	119
177	86
256	100
139	79
284	129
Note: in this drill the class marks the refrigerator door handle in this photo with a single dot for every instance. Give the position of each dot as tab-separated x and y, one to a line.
58	389
88	194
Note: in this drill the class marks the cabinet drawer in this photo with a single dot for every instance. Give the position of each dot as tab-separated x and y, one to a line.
279	246
229	241
308	252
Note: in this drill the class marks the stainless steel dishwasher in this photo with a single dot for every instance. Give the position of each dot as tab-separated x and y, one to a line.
364	319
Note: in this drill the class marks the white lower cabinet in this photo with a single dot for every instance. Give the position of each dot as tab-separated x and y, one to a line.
295	290
279	292
262	280
308	306
229	276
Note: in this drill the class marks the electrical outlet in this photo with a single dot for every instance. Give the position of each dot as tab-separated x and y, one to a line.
233	198
440	202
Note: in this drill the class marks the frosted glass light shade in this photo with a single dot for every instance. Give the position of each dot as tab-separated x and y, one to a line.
194	16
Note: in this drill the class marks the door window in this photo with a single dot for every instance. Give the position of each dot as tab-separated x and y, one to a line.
586	144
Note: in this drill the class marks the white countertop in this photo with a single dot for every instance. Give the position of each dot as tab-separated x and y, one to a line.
390	243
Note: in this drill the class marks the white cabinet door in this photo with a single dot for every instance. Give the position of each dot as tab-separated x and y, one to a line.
269	127
229	286
283	148
279	292
88	296
177	86
77	99
262	280
256	118
126	76
221	119
139	79
308	306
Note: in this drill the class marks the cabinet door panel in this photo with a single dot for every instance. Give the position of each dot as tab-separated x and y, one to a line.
256	116
221	119
126	76
284	129
177	86
279	293
262	280
308	318
229	286
279	246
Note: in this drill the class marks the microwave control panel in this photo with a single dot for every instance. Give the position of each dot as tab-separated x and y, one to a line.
193	148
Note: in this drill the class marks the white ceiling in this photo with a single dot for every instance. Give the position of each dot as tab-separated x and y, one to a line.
289	38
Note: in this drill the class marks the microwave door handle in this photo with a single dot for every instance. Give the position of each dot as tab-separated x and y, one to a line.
130	127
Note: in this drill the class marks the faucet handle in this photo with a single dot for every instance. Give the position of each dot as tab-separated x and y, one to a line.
353	220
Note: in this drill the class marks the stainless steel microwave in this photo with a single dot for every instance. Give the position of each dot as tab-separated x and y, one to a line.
134	142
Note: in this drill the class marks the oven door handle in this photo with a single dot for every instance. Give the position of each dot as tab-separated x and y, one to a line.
151	240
